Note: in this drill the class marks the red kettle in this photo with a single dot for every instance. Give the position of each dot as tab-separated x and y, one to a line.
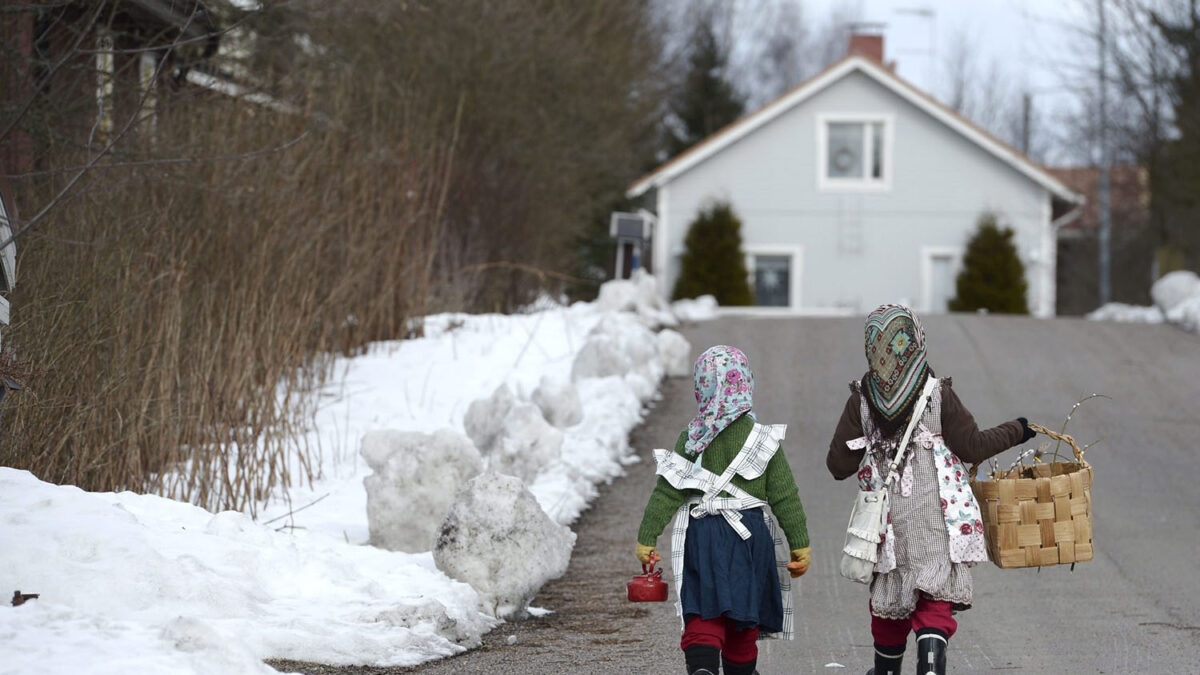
648	586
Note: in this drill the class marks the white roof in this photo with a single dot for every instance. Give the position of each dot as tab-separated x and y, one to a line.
747	124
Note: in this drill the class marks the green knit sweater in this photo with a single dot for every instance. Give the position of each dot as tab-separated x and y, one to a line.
776	487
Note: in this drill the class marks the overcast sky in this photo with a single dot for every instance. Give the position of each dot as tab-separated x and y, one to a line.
1029	35
1034	41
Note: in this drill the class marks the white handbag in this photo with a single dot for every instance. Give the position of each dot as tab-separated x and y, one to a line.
868	518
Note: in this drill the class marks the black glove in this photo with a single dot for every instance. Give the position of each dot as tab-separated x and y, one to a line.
1027	434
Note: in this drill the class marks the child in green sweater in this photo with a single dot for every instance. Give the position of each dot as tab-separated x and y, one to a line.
732	573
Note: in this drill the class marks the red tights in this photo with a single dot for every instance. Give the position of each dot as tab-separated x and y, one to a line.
929	613
736	645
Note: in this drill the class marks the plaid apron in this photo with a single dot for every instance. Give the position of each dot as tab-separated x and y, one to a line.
750	463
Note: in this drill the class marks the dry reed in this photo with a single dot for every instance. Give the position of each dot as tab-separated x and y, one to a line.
177	349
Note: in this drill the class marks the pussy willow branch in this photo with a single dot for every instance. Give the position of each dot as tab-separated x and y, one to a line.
1071	414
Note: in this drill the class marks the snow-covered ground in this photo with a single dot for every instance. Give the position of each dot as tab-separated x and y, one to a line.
1176	300
1123	313
142	584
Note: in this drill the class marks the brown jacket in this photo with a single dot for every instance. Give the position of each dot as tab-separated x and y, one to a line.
962	435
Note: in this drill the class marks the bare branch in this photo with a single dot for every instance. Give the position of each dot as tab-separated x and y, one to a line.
54	69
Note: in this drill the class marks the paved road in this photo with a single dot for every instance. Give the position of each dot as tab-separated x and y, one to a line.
1135	608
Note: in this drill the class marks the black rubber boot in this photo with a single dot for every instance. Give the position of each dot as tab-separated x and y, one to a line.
747	668
931	652
887	660
702	660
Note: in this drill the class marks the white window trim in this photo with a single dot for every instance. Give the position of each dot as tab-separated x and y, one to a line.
796	253
928	253
827	184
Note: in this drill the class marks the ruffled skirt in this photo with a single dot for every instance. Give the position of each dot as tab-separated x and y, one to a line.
922	547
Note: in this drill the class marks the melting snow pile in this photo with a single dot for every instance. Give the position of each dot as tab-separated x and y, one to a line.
1176	300
498	539
703	308
414	479
1123	313
490	427
141	584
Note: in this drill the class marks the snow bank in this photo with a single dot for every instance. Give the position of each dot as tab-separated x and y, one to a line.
497	538
1186	314
676	353
1174	288
414	480
601	356
138	583
526	444
1177	294
1176	299
639	296
594	451
485	417
144	584
99	645
620	345
1123	313
559	402
703	308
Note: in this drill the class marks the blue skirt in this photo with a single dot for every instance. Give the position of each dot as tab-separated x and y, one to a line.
725	575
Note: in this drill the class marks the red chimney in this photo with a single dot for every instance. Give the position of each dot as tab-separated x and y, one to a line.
870	46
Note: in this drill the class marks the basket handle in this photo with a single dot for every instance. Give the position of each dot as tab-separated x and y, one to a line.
1059	437
974	470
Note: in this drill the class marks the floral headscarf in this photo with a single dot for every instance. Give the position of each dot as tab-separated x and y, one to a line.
724	392
895	349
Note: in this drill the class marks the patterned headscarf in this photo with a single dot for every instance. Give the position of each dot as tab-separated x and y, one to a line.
724	392
895	348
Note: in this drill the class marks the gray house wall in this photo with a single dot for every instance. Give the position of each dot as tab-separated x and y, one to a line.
861	248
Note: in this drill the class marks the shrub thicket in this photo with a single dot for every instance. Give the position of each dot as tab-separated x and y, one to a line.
178	302
713	261
992	276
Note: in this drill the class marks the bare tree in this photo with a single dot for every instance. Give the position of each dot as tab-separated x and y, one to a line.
979	88
780	44
1152	50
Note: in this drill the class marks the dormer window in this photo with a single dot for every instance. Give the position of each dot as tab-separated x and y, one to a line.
854	152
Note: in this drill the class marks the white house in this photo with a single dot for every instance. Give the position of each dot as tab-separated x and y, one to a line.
855	189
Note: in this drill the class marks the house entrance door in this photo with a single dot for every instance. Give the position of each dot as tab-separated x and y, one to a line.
939	268
943	283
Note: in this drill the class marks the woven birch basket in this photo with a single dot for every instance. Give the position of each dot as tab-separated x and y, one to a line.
1039	515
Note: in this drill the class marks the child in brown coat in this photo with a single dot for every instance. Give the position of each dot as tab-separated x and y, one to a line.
934	532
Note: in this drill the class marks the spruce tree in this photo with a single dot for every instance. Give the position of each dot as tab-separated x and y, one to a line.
706	101
1175	168
713	261
992	276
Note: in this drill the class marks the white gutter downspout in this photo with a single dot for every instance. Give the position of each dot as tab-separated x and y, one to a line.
1067	218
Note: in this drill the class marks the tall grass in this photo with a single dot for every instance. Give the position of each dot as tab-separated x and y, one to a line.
180	313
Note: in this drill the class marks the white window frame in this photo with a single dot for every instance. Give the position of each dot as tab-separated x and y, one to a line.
825	183
928	253
796	253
